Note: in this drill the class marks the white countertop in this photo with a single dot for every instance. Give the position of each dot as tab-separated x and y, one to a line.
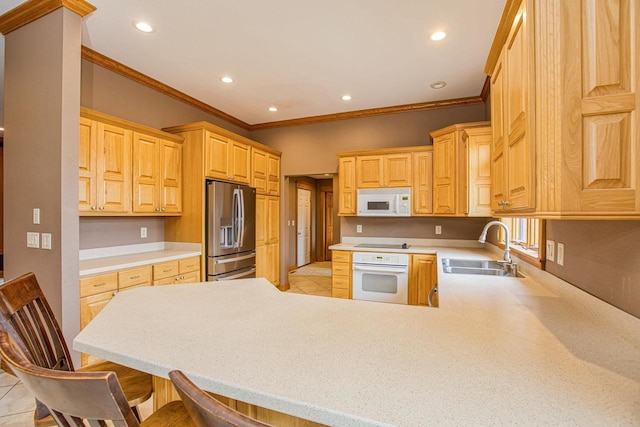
498	351
104	260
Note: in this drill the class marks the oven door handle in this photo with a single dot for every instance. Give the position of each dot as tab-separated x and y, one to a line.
380	269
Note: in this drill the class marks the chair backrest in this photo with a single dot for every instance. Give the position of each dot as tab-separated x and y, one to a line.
204	409
71	396
27	316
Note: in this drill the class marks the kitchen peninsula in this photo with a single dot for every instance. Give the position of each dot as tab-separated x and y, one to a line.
498	351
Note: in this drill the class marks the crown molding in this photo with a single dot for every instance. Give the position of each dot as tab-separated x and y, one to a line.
504	26
130	73
486	89
371	112
34	9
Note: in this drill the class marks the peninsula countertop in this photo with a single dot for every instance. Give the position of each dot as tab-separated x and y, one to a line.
498	351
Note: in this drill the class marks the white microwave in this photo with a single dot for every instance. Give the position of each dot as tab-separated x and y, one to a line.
384	202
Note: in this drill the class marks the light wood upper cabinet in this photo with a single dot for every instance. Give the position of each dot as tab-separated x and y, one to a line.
157	175
477	142
423	182
227	159
266	172
565	78
347	191
451	160
127	169
112	152
387	170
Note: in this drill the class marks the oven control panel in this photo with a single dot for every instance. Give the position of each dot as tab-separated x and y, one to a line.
380	258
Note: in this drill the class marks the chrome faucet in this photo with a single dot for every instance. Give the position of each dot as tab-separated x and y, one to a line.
483	238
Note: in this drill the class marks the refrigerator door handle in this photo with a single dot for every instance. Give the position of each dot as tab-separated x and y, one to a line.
234	217
241	218
240	258
237	276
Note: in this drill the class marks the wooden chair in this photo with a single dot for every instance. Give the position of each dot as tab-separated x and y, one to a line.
206	410
26	315
73	397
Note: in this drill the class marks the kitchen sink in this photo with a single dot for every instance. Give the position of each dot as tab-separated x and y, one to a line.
478	266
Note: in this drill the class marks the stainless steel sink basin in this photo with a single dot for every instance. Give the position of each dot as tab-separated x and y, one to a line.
477	266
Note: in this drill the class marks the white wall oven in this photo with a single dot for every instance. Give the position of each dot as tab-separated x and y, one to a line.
382	277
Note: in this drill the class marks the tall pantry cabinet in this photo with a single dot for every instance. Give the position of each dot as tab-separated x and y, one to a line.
211	152
565	98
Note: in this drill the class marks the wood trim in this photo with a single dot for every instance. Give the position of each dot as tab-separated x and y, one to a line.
136	127
486	89
472	100
305	186
375	151
33	9
504	27
115	66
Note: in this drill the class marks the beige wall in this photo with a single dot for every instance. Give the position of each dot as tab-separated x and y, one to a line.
418	228
105	232
42	108
602	258
111	93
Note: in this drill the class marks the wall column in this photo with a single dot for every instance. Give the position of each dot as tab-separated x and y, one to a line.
42	110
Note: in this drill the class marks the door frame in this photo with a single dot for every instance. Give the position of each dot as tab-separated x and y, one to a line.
325	254
310	187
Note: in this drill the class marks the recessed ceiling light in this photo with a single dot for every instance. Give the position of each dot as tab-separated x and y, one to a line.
274	109
346	97
438	35
438	85
143	26
226	79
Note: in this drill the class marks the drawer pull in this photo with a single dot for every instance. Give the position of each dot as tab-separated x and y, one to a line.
134	277
166	271
97	285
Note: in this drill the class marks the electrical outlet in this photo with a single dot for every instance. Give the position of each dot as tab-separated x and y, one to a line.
33	240
46	241
551	250
143	232
438	229
560	254
36	215
359	228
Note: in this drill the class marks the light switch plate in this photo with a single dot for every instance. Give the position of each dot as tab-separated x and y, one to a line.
46	241
551	250
33	240
560	254
36	215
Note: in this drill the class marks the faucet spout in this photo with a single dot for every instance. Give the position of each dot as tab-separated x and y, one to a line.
483	237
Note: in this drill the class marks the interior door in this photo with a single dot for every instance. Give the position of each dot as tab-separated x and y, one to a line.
304	227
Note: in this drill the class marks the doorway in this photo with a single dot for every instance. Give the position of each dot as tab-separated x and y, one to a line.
304	226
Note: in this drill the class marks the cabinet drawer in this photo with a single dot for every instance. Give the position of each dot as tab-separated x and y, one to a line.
193	277
340	268
188	265
166	281
341	282
100	283
341	256
340	293
134	276
165	269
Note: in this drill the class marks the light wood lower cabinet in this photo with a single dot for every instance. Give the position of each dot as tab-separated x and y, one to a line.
268	238
97	290
341	274
423	277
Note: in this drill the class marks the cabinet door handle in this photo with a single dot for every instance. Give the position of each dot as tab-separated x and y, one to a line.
162	209
93	208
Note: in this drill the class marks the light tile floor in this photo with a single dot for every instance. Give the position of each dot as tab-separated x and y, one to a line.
312	279
17	404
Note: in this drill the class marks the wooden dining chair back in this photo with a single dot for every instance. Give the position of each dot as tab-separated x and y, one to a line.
71	397
27	316
204	409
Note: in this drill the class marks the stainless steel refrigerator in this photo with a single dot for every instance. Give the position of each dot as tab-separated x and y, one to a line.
231	231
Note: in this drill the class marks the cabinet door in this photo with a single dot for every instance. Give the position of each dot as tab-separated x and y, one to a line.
113	169
518	116
423	278
259	166
170	189
347	186
397	170
89	308
422	183
273	177
240	166
87	162
146	174
444	169
603	160
478	143
261	219
273	219
273	263
216	157
498	184
369	171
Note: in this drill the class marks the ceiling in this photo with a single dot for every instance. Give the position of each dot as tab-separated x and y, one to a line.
299	56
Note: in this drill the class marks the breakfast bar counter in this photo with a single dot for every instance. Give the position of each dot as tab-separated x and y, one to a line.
498	351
